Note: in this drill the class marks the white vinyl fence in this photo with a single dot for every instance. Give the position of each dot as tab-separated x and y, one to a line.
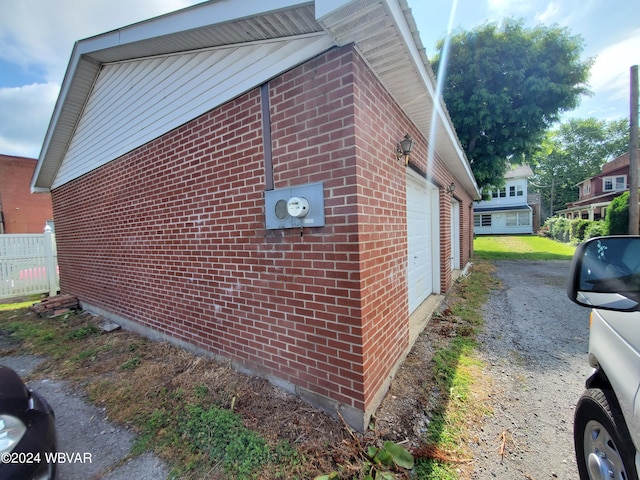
28	264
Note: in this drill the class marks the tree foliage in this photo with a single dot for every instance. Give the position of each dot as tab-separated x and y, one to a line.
571	153
504	86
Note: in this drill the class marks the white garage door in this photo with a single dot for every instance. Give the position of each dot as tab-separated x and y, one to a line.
419	240
455	235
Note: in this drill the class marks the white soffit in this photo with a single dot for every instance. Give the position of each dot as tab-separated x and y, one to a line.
133	102
385	33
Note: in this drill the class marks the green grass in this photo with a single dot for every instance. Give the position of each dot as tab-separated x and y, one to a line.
432	469
525	247
15	306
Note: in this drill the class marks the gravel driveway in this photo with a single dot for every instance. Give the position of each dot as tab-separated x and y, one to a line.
535	343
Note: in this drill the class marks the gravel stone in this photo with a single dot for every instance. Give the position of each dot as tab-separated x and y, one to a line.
535	345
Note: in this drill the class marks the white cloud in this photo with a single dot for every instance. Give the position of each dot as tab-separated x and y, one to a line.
42	32
24	117
610	73
38	36
549	15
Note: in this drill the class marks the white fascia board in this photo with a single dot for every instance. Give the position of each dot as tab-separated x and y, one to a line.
72	67
197	16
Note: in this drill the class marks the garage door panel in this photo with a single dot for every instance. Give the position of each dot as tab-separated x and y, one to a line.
419	240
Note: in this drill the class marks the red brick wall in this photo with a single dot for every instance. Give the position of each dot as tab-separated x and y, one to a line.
312	117
22	211
172	235
382	228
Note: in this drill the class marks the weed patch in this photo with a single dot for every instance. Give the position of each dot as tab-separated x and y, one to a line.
456	393
180	405
208	421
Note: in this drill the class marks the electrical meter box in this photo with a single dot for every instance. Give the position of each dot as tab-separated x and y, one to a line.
295	207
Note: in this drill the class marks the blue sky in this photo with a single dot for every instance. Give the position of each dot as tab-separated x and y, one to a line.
37	36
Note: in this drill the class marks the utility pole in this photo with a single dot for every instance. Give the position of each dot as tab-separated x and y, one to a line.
633	154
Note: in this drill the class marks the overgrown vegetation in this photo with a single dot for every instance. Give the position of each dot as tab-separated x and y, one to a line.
573	231
208	421
459	380
161	392
617	219
578	230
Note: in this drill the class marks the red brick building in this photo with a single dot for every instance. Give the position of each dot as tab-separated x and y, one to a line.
597	192
183	148
20	210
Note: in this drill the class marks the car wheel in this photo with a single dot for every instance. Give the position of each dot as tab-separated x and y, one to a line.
603	446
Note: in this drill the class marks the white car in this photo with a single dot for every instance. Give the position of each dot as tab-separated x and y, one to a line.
605	276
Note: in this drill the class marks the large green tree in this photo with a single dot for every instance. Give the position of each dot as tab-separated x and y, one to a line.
571	153
504	86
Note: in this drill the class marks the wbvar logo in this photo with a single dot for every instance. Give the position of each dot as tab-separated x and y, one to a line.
65	457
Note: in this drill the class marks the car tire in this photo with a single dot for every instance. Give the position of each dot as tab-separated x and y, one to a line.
602	442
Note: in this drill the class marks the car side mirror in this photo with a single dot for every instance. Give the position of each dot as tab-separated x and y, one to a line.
605	273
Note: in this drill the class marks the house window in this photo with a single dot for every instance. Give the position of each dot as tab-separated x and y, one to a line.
494	193
611	184
481	220
516	191
517	219
586	188
503	192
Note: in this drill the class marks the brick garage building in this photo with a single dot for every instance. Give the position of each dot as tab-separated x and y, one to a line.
172	143
20	210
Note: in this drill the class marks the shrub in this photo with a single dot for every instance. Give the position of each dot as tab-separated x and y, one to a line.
578	227
617	219
559	229
549	226
595	229
575	231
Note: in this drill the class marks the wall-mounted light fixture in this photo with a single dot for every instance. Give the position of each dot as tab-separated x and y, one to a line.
403	149
451	188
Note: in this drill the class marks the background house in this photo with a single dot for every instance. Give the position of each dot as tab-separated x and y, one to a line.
226	178
508	211
20	210
596	193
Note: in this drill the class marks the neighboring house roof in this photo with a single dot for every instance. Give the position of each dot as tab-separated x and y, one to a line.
519	171
275	35
501	208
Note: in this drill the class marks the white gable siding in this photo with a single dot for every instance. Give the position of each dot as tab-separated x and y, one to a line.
136	101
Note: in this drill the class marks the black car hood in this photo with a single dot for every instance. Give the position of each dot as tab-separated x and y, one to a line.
14	394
